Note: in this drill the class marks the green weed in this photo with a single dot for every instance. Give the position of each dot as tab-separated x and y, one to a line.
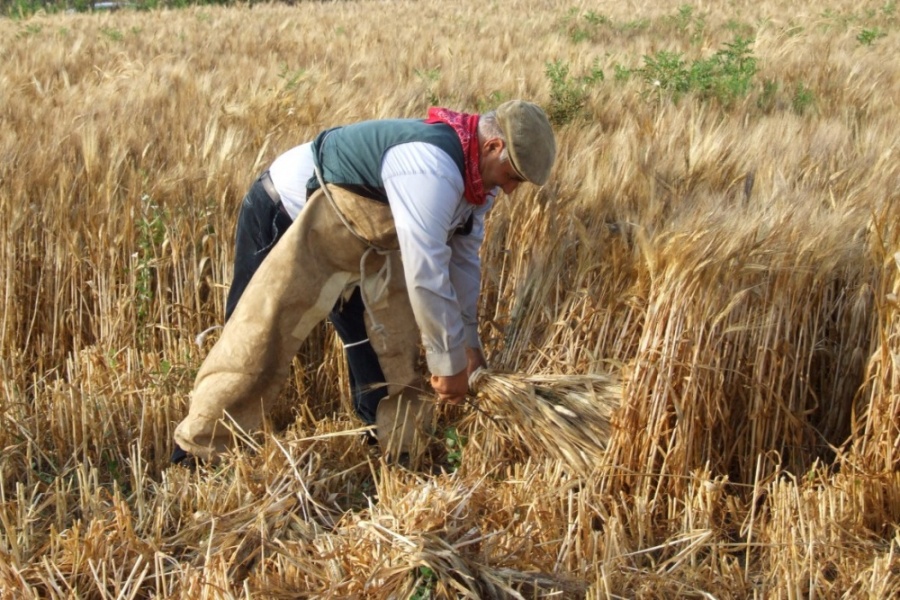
585	28
113	34
151	234
690	23
425	586
728	74
569	94
290	77
667	71
803	99
637	25
867	37
493	100
621	73
455	444
725	76
29	30
739	27
430	77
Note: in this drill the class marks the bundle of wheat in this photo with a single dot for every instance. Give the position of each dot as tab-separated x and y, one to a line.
567	416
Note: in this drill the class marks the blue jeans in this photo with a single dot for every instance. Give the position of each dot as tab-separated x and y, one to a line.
261	223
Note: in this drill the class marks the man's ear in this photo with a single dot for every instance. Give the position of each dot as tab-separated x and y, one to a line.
493	145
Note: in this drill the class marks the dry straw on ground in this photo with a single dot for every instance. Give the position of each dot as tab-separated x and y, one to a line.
732	266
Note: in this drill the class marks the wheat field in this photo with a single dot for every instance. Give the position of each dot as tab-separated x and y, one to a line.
731	260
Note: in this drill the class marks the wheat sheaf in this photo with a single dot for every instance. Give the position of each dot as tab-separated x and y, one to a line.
567	416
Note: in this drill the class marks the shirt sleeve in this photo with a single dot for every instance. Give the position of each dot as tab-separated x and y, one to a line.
465	272
425	191
290	172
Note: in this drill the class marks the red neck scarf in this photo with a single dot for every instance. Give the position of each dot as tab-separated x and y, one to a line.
466	127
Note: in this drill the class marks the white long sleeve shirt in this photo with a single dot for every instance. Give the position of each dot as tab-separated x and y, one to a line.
443	271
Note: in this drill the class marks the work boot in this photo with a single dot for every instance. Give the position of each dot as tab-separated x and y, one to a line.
183	458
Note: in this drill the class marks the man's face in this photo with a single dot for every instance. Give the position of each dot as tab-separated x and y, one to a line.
497	173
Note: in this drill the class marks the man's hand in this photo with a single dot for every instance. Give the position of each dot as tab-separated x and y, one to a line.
451	389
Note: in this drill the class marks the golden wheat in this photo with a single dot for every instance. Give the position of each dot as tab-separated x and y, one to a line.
734	268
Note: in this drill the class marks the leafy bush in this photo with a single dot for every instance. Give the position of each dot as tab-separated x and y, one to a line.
686	22
584	27
803	99
867	37
621	72
568	94
667	71
728	74
725	76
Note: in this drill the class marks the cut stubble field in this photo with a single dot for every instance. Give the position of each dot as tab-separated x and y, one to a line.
719	235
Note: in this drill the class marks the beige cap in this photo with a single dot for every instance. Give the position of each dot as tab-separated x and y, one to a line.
529	139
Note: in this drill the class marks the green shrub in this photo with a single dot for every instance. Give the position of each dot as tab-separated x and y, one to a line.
728	74
688	23
151	234
568	94
867	37
455	444
585	27
666	71
621	72
803	99
725	76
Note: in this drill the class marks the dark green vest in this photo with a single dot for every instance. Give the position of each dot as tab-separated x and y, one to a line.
351	156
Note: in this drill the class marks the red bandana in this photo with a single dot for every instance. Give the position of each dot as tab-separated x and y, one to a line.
466	127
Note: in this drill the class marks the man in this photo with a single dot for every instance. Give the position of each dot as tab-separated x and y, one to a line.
376	226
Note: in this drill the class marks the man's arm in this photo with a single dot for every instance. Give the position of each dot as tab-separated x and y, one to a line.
424	188
465	274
